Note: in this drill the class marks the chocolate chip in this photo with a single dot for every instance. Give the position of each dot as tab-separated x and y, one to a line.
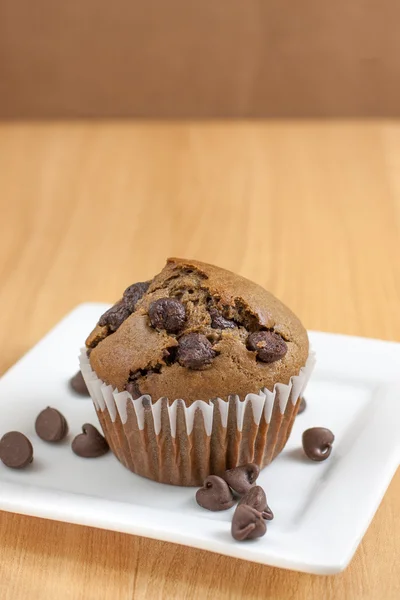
215	494
51	425
90	443
240	479
134	293
16	450
219	322
195	351
256	498
115	316
268	345
302	405
77	383
168	314
247	523
317	443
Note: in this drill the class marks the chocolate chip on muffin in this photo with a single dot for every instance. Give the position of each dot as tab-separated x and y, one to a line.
121	310
219	322
168	314
115	316
210	333
269	346
134	293
195	351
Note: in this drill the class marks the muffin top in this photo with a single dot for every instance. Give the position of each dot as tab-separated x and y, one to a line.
197	332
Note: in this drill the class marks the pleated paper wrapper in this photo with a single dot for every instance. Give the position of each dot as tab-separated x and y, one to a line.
180	444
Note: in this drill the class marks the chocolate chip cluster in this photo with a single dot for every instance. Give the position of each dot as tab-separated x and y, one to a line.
16	450
218	493
248	522
195	350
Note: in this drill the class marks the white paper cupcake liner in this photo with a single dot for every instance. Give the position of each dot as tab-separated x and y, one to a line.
181	444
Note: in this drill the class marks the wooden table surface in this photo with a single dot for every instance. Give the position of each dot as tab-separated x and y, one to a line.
310	210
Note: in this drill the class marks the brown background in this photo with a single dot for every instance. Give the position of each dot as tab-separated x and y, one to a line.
200	58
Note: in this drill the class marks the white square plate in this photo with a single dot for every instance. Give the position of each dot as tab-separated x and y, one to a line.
321	509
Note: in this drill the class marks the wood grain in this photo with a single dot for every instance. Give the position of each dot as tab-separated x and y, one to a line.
310	210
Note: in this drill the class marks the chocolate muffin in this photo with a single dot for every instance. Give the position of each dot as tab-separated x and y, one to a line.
198	333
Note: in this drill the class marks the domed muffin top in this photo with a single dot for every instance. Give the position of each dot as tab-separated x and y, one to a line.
197	332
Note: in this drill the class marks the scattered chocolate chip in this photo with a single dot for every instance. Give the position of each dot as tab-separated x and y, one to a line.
90	443
115	316
219	322
16	450
256	498
269	346
215	494
302	405
240	479
77	383
317	443
168	314
247	523
134	293
51	425
195	351
133	388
